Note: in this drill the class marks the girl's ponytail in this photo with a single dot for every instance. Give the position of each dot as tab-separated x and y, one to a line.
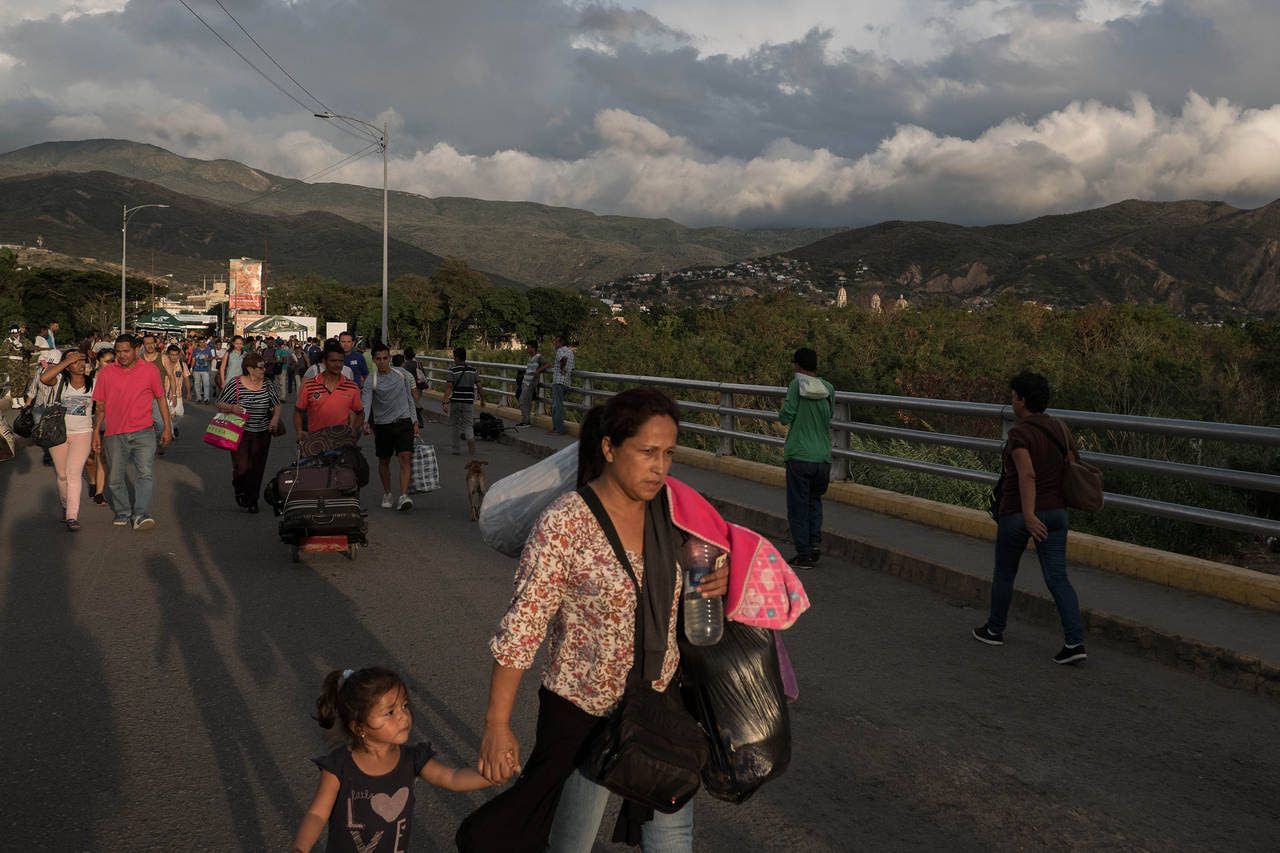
327	703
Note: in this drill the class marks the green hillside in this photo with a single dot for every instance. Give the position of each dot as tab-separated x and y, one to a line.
536	244
79	215
1193	257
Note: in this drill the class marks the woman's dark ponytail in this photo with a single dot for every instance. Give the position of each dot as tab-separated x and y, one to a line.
590	453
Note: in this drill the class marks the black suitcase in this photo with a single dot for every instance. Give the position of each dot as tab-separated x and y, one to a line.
323	516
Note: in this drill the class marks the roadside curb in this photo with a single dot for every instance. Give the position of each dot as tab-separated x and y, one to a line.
1220	665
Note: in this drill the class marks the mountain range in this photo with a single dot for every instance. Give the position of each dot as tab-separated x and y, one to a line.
522	242
1198	258
1202	258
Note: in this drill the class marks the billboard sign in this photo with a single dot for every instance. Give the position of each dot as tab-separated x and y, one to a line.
246	284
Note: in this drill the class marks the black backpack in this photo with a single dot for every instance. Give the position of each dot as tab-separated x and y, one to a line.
488	427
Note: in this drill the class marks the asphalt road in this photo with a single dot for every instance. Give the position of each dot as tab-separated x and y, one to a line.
157	688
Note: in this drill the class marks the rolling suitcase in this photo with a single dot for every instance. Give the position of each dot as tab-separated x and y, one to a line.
323	516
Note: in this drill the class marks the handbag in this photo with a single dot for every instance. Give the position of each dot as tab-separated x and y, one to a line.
650	751
25	423
52	428
1081	482
7	442
226	429
424	471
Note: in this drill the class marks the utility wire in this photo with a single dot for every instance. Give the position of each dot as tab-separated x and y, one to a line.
354	126
264	75
363	152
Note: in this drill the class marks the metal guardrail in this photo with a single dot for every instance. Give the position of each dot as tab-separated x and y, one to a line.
727	431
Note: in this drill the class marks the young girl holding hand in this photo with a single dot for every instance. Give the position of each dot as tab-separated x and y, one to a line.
366	786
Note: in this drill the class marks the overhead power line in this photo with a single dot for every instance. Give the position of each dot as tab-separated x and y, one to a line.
363	152
363	130
265	75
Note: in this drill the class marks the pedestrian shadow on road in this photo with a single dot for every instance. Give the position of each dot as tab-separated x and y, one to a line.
64	774
242	752
287	617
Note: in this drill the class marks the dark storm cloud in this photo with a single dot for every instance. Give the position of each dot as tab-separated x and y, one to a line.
610	108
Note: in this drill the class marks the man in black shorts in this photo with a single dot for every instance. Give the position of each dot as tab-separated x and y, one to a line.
390	398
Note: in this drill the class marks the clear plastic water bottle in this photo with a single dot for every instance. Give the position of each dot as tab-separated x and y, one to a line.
703	617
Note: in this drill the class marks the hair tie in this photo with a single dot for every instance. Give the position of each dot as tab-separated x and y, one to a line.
346	673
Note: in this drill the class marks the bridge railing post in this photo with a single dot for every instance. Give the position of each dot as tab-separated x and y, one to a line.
586	394
840	441
727	422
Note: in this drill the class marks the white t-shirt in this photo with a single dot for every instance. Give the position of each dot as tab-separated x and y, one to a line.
79	406
317	369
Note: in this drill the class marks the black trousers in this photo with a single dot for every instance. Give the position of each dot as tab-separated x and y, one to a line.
248	462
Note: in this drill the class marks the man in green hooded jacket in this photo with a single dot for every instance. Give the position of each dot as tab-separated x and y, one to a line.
807	410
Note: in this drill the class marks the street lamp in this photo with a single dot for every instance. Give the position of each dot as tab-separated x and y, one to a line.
382	141
124	245
153	288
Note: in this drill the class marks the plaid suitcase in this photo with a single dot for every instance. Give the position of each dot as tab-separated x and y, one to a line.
323	516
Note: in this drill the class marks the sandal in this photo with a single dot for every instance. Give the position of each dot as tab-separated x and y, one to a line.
73	525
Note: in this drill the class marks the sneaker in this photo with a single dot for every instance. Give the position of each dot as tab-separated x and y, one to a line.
523	423
121	519
1070	654
73	525
144	522
816	553
799	562
386	500
404	503
100	499
983	634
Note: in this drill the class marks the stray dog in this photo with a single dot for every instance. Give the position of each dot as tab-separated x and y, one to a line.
477	485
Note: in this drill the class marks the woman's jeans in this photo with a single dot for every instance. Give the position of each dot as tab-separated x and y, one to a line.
581	808
1011	543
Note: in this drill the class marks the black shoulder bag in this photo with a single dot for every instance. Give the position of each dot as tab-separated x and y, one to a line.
52	427
651	751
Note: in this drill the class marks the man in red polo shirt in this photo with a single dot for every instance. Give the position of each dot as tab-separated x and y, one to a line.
328	398
125	393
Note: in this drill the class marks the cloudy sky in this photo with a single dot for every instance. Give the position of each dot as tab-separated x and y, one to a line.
747	113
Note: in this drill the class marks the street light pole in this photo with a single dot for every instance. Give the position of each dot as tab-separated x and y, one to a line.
383	141
124	247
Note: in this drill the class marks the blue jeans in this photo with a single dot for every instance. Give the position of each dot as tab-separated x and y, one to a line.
200	385
140	448
557	407
1011	543
582	806
806	484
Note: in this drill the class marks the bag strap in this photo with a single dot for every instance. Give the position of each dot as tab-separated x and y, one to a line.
611	533
1061	447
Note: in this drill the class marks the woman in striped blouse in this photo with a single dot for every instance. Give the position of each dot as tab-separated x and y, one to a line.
255	400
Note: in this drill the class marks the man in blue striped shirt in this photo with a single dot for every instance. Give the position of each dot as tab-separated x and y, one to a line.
462	390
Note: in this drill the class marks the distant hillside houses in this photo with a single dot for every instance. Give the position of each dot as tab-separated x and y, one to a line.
708	286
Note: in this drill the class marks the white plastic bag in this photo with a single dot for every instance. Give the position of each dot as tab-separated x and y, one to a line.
513	504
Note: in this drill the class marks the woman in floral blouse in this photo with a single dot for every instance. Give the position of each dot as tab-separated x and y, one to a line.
571	588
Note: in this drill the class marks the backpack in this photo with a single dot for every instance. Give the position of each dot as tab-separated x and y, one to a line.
488	427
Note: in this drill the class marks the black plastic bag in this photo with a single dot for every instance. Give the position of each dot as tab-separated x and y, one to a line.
734	690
